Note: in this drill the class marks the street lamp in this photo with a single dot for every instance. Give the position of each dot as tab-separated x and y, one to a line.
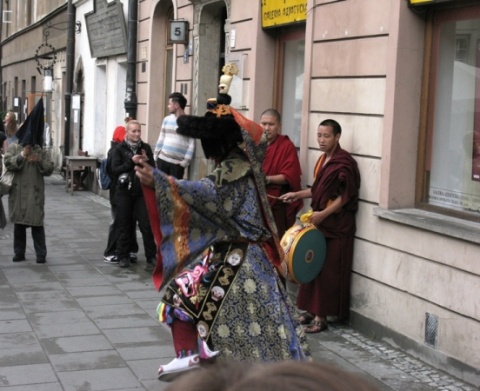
46	56
47	79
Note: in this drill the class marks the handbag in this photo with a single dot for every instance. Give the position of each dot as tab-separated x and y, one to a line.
5	180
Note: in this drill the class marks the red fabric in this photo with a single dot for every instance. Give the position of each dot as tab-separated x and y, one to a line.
281	158
338	177
154	217
254	130
184	337
329	293
119	134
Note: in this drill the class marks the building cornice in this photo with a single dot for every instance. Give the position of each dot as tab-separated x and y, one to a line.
36	25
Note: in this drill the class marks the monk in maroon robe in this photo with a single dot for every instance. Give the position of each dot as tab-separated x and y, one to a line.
282	171
334	196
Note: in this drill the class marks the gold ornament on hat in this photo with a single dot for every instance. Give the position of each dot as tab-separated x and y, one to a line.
229	71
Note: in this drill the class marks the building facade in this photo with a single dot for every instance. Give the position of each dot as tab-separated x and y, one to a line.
402	79
33	43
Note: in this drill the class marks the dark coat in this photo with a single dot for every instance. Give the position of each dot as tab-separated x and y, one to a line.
26	200
122	163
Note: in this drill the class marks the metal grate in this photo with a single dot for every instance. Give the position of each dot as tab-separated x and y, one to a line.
431	329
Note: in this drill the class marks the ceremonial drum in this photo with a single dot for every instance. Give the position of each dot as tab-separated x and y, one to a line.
305	249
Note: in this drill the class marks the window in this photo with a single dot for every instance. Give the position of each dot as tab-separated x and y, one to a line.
291	57
33	83
167	82
452	169
462	47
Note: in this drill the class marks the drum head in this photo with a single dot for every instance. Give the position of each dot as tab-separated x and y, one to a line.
305	249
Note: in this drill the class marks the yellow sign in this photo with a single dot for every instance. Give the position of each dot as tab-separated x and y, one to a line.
281	12
415	2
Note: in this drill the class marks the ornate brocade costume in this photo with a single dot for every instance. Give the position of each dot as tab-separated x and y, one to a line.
239	307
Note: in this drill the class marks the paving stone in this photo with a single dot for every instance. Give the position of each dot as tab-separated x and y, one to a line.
87	360
99	379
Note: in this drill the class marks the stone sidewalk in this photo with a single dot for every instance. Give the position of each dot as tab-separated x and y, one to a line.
77	323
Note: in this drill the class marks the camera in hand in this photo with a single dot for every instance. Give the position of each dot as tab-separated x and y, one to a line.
123	179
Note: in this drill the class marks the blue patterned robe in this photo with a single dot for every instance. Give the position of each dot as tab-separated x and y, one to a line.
254	319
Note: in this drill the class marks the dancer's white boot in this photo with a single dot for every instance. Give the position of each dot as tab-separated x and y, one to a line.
205	352
177	366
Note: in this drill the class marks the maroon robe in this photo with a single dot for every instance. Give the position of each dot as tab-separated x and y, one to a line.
281	158
329	293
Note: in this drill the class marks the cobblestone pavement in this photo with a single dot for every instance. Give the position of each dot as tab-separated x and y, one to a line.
413	373
78	324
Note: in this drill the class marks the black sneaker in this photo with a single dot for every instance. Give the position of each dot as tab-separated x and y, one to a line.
133	258
124	262
110	259
41	260
18	257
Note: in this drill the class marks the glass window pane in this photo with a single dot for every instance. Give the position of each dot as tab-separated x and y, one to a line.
455	165
293	90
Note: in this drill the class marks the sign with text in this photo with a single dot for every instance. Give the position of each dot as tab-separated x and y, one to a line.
107	33
420	2
279	13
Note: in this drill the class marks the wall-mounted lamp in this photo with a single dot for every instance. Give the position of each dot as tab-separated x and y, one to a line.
47	80
178	32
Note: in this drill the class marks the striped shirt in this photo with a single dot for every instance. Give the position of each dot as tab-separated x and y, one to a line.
171	146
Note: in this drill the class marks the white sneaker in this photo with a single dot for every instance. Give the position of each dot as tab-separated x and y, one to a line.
177	366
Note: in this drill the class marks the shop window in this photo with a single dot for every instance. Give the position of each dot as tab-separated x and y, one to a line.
290	78
451	183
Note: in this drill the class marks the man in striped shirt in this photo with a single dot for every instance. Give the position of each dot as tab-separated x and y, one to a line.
173	152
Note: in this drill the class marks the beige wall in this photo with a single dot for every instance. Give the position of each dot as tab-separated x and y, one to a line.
371	73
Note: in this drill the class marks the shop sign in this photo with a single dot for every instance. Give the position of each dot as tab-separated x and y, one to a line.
414	3
279	13
419	2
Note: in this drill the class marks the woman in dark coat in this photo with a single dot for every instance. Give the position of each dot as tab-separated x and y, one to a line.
129	195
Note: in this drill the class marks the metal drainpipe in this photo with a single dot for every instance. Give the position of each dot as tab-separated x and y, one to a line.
69	71
130	94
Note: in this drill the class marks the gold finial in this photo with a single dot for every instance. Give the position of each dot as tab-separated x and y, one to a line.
229	71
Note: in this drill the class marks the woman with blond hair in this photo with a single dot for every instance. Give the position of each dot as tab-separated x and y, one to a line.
10	122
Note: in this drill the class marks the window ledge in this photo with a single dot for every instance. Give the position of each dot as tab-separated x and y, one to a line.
434	222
